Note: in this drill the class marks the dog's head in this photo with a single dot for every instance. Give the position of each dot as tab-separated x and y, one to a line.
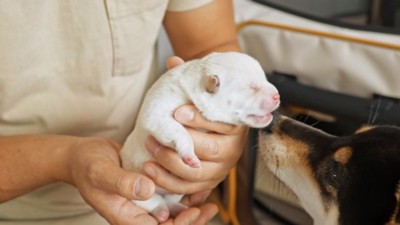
233	89
350	180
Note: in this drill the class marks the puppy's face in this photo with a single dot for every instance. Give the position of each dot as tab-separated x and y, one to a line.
236	90
339	180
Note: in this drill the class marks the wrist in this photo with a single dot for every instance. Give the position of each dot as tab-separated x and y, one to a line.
56	153
83	154
32	161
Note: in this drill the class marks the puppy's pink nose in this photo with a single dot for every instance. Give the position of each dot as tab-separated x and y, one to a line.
276	97
270	102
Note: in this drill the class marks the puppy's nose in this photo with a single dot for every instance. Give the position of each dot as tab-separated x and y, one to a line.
270	103
276	97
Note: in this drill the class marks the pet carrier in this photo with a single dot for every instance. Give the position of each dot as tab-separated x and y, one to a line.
337	75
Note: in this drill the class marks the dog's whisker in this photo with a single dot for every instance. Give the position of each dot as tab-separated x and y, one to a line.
376	114
304	117
370	115
315	124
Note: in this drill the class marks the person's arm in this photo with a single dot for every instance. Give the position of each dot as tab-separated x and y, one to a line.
198	32
91	164
29	162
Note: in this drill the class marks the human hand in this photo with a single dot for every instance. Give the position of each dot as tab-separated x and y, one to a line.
219	149
194	215
218	153
95	170
174	61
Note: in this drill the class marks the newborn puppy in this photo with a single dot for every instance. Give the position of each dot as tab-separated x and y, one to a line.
226	87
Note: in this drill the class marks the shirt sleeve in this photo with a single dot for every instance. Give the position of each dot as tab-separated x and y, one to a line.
185	5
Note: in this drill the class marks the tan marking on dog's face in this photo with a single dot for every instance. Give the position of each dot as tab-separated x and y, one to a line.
281	152
286	150
342	155
288	159
364	129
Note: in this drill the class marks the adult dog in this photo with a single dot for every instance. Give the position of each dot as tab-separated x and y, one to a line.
351	180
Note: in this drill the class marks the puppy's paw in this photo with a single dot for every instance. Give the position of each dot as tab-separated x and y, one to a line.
192	161
161	213
175	208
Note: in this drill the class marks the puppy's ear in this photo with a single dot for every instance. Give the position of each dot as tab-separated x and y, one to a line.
212	84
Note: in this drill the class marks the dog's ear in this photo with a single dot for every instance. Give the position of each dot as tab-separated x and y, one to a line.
212	84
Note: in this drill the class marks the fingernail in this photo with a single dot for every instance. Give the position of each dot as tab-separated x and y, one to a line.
143	188
150	171
152	146
184	115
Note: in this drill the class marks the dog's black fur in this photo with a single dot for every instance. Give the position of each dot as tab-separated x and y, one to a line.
357	174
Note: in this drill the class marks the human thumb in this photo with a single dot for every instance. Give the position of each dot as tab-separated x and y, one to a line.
127	184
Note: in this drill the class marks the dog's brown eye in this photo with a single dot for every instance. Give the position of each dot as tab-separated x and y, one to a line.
333	175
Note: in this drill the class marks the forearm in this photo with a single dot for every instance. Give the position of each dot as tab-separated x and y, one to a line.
31	161
227	46
207	29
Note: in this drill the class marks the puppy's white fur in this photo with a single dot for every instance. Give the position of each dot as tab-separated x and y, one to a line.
239	94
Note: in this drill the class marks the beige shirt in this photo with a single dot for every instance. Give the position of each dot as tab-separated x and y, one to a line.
78	67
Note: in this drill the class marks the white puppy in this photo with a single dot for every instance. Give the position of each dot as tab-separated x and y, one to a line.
226	87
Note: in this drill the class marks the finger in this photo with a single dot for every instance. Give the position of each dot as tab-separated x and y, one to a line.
175	184
116	209
170	160
206	147
208	211
189	116
196	198
174	61
216	147
210	147
130	214
127	184
133	214
188	216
